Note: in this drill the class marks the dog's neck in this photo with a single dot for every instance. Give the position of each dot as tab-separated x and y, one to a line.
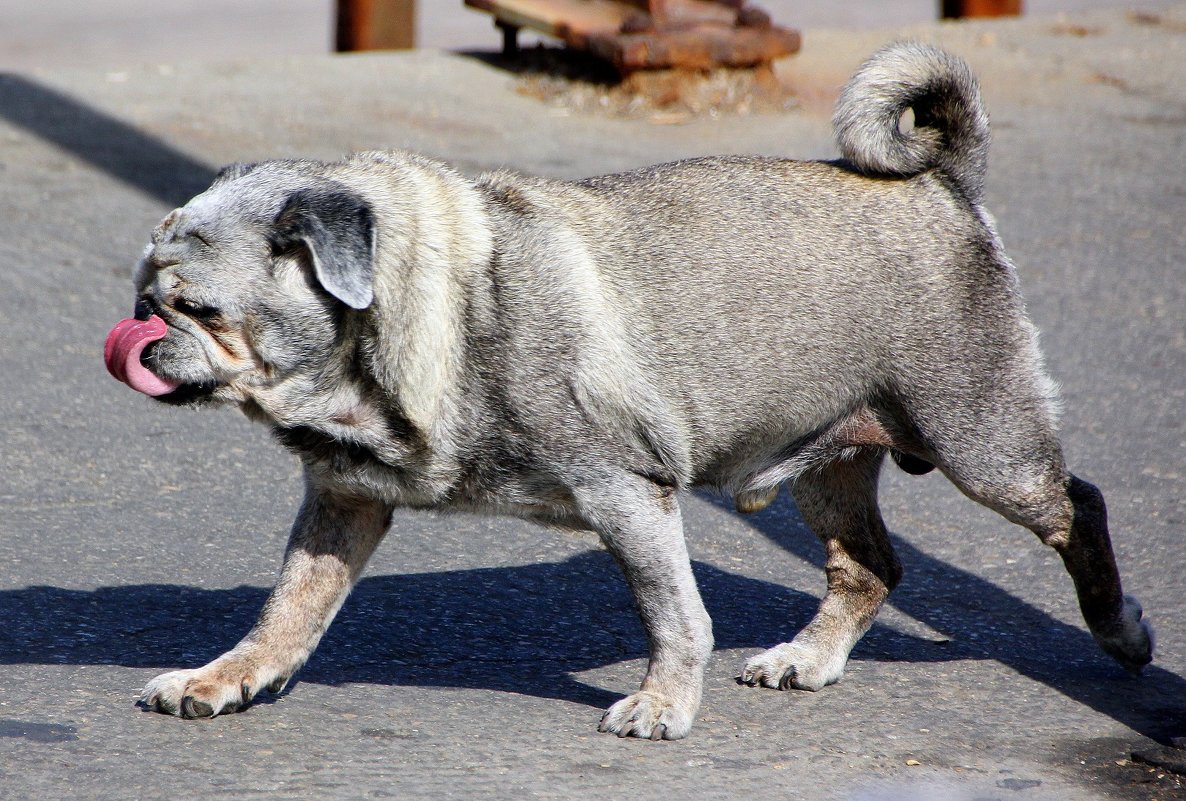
354	437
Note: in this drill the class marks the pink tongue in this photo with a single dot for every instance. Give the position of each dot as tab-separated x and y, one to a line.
122	350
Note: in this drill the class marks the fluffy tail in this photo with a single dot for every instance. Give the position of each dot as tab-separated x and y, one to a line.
950	127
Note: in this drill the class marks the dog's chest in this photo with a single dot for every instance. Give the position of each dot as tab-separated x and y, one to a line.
319	448
419	481
357	468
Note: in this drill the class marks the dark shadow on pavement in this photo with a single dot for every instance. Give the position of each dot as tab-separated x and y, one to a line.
522	629
556	62
528	629
984	621
113	146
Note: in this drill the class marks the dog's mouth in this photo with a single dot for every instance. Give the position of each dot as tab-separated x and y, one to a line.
187	394
124	353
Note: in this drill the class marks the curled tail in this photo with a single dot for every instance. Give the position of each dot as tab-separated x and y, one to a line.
950	127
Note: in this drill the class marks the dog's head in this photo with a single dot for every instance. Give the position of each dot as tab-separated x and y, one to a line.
245	287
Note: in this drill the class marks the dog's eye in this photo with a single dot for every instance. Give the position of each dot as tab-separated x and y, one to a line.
196	310
201	237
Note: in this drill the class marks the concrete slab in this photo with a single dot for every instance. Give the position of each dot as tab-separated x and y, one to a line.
477	654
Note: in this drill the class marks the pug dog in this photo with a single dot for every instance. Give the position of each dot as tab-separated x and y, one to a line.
577	353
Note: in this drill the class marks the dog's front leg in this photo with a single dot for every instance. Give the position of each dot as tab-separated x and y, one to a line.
331	541
640	524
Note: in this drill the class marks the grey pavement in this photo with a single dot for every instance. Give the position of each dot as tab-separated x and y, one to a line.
476	655
119	33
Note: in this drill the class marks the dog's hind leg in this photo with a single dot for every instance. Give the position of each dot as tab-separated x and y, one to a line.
641	526
839	502
1030	485
1115	619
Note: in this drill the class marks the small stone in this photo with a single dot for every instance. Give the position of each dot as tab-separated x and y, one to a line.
914	763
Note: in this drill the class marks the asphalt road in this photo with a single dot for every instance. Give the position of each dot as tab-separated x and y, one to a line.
476	655
117	33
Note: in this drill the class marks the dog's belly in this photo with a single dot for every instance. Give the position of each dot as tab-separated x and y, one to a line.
771	459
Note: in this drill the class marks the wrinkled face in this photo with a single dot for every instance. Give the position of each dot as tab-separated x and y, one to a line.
243	289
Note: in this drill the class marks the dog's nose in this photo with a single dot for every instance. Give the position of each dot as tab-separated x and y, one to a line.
143	310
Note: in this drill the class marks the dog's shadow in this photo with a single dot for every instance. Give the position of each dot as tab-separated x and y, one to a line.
533	629
525	629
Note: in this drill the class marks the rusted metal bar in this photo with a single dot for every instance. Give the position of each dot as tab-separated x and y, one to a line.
375	25
695	48
980	8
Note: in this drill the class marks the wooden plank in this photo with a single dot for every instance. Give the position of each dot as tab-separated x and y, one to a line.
583	18
559	18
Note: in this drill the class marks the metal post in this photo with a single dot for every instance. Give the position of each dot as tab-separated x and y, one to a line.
510	37
980	8
376	25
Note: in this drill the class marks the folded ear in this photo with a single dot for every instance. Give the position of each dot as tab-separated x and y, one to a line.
338	229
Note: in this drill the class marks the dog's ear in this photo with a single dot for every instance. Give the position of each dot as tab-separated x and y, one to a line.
233	172
338	229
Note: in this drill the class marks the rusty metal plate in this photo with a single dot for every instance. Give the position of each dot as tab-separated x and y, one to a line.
652	34
701	47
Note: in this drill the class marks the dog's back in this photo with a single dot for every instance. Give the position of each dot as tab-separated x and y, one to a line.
770	298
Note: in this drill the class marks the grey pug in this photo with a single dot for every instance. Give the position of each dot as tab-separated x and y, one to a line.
577	353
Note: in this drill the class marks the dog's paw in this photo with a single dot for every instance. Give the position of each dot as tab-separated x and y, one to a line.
793	665
648	715
224	685
1130	642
